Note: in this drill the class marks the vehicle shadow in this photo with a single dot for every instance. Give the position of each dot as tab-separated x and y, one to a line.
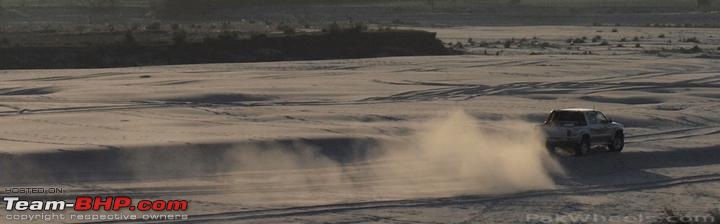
601	168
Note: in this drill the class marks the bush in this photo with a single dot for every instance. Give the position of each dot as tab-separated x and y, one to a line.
129	38
596	38
227	35
614	30
336	28
619	45
696	48
604	43
507	43
179	37
333	28
692	40
575	41
154	26
359	27
661	36
286	29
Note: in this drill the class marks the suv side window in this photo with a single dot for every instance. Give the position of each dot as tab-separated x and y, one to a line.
568	117
602	118
592	117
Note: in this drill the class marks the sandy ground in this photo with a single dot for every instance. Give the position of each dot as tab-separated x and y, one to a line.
184	132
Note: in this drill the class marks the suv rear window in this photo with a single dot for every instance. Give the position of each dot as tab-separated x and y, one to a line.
567	117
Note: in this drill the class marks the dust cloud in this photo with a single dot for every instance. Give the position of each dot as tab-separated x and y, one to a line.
465	156
450	155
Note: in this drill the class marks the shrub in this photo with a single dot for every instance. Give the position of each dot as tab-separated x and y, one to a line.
507	43
692	40
614	30
604	43
154	26
575	41
596	38
637	45
227	35
359	27
286	29
129	38
696	48
459	45
661	36
333	28
619	45
179	37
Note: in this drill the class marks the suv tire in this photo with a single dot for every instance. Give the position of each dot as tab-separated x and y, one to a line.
618	142
583	148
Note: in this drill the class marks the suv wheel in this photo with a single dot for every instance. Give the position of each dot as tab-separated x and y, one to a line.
618	142
583	148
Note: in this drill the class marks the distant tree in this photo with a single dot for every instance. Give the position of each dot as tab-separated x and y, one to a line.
359	27
180	8
100	3
179	37
129	38
286	29
333	28
514	2
704	4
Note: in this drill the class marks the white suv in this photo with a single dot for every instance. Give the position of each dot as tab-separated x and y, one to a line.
582	128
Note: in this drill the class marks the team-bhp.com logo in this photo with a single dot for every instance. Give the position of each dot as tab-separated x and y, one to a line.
84	203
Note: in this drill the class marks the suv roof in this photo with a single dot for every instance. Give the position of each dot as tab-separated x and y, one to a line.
576	109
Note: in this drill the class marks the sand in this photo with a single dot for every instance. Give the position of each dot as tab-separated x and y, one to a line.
338	140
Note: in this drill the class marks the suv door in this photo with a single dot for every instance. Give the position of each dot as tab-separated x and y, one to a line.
606	126
599	127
